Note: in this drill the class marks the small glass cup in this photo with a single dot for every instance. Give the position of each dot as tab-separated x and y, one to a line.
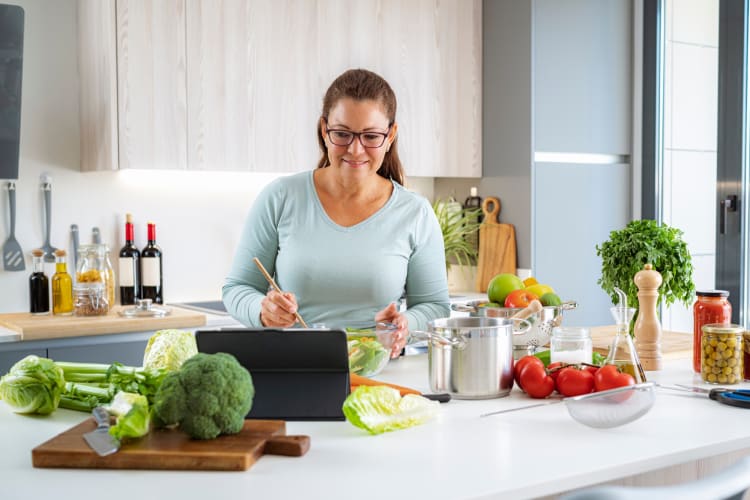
570	344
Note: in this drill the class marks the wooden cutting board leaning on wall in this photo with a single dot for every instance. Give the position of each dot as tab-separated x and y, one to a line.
497	245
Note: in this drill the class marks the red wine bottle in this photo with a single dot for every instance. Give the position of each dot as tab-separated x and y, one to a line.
151	277
130	267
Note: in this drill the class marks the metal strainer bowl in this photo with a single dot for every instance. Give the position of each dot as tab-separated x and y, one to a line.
612	408
542	322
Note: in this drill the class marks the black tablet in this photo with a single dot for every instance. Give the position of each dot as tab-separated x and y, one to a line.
298	374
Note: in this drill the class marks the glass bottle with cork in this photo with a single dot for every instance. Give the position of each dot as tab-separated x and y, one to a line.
38	285
151	269
62	286
129	266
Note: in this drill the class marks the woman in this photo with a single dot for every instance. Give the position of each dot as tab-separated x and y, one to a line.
344	240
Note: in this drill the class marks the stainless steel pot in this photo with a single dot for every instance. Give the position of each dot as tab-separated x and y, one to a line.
471	358
542	323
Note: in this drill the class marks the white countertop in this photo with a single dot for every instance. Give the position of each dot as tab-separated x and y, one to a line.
522	454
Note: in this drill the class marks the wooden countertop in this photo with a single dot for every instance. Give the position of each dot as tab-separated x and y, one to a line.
674	345
53	327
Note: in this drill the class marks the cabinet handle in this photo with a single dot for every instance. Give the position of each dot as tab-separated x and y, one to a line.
726	205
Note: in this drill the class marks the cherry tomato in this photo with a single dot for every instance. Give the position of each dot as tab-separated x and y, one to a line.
572	381
535	381
519	298
523	362
610	377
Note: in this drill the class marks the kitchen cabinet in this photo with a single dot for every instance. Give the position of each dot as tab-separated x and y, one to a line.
237	85
125	348
11	356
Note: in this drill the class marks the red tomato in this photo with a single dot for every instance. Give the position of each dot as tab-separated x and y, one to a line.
535	381
519	298
591	369
573	381
523	362
610	377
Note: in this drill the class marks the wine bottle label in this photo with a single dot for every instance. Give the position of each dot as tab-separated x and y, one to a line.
151	272
127	277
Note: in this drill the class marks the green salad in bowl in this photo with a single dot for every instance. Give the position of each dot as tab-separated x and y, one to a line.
369	347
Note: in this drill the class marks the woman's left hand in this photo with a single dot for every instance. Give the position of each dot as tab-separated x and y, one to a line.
391	315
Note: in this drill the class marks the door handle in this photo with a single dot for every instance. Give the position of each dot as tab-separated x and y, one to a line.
729	204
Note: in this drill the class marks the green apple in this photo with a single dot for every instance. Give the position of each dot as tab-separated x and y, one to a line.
501	285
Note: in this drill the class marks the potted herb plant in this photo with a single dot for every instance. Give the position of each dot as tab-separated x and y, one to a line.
647	242
459	227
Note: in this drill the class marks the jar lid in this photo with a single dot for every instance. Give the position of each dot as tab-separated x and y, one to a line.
712	293
723	329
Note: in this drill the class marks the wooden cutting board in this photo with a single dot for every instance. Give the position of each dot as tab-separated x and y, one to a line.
497	245
173	450
674	345
50	326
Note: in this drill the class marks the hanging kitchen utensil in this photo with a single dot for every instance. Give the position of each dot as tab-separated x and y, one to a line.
497	245
13	259
74	237
49	250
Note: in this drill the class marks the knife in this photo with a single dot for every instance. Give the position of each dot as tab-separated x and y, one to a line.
100	440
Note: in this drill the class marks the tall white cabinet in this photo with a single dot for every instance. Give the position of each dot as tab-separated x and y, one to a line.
238	84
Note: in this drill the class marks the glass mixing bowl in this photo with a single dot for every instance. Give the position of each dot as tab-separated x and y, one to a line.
369	346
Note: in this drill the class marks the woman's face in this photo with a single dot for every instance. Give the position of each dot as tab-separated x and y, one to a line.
350	115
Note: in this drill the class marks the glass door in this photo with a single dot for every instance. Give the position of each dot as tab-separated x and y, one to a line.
698	124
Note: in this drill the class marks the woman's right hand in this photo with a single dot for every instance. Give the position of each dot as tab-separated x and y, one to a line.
277	309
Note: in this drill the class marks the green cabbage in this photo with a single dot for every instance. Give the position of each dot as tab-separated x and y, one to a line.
168	349
33	385
379	409
133	416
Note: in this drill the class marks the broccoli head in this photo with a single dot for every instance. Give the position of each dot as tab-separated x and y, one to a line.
208	396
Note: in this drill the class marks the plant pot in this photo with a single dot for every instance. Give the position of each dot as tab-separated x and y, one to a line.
462	278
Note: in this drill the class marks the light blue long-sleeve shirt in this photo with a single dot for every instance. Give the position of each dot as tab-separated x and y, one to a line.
339	275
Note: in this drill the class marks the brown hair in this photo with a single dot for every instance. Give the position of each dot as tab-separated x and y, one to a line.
361	84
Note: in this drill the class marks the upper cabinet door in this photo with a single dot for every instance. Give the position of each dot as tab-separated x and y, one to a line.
253	94
152	109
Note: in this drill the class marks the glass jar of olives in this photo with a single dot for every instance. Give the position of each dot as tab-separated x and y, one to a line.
721	353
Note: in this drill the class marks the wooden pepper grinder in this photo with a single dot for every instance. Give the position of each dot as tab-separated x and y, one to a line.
647	330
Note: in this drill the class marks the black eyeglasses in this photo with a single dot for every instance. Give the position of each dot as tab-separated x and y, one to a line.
346	137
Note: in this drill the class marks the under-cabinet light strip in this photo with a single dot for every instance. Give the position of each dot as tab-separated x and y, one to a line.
579	158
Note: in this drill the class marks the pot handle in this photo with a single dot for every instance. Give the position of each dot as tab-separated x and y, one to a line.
464	308
456	343
524	329
568	305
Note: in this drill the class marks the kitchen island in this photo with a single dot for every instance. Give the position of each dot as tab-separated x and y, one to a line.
525	454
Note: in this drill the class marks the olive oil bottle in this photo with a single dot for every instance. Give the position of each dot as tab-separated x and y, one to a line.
62	287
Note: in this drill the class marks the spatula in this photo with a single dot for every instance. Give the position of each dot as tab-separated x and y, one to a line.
12	254
100	440
49	250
